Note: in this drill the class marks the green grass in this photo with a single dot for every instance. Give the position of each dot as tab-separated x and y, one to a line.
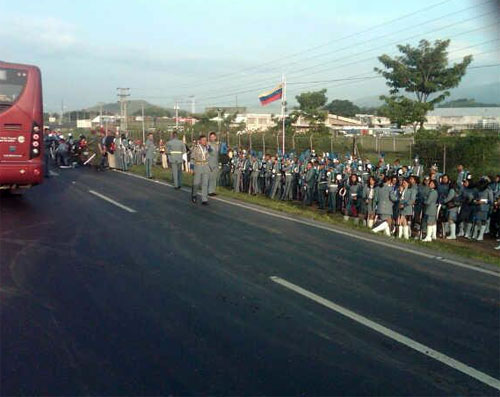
463	249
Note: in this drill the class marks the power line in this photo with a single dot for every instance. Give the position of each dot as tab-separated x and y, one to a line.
370	29
260	84
261	87
361	43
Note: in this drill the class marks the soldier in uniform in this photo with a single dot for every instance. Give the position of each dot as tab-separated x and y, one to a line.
213	163
150	155
175	150
200	156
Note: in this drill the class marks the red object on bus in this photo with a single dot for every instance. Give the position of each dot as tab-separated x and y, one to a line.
21	126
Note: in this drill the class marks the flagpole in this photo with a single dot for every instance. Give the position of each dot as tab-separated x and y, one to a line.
283	105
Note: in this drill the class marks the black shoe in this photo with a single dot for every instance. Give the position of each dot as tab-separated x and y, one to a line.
204	203
177	187
212	194
194	199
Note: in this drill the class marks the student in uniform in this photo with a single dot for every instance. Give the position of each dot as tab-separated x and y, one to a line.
370	201
483	201
354	197
385	198
452	202
405	204
431	211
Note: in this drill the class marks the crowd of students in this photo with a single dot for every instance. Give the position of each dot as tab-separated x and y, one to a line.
395	199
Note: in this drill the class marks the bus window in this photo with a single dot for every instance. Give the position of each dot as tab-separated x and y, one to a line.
12	83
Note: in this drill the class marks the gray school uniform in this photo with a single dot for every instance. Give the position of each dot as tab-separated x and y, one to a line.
175	150
466	200
482	210
369	199
408	201
451	204
430	206
385	197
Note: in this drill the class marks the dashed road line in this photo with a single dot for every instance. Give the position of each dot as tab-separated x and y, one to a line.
396	336
114	202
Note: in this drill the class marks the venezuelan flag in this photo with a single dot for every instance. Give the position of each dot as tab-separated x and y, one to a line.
271	96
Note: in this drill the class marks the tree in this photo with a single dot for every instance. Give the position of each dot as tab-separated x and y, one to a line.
311	106
343	107
404	111
423	71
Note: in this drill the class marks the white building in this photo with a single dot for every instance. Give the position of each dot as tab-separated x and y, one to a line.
105	119
463	118
86	123
374	121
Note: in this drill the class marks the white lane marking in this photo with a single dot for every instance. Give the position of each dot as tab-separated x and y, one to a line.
333	230
443	358
110	200
53	173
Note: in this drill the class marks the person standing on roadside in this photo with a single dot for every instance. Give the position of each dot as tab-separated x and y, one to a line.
176	149
47	142
213	163
150	154
200	157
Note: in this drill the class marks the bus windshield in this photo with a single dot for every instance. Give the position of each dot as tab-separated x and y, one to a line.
12	83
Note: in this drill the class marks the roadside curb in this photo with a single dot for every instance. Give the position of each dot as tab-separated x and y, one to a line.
454	260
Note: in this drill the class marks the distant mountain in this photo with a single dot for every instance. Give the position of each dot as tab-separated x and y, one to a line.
486	93
481	94
467	103
114	107
134	108
369	101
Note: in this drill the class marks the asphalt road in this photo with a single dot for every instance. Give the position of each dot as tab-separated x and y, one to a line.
176	298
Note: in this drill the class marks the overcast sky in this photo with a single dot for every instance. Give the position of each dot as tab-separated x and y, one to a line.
219	49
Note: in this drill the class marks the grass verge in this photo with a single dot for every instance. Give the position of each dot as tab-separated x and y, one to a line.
465	249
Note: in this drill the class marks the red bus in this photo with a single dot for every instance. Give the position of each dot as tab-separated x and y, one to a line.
21	124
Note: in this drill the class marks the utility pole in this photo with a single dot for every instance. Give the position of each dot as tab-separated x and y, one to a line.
61	119
444	158
100	113
219	112
176	115
123	93
283	108
193	106
143	129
